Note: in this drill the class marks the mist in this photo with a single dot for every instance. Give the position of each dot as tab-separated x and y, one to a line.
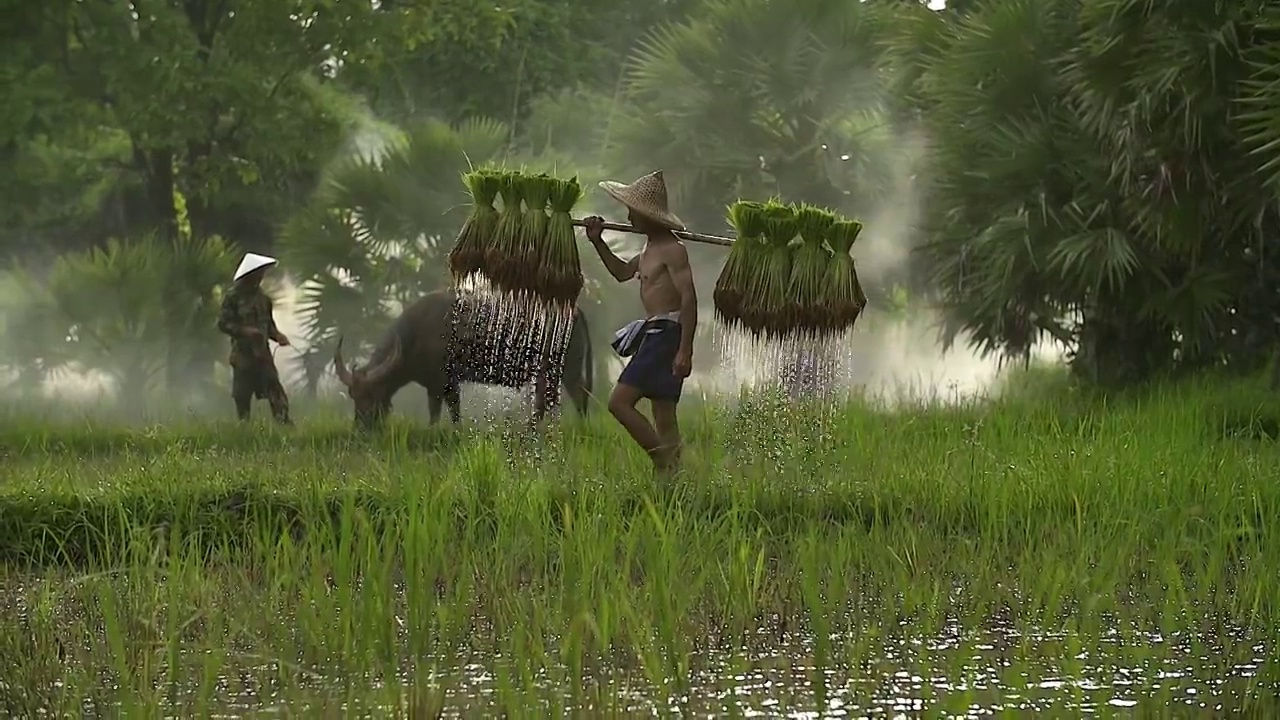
891	356
888	357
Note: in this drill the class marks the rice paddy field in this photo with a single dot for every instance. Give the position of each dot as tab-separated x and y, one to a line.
1049	554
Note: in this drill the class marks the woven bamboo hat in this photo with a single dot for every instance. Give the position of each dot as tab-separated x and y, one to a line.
646	196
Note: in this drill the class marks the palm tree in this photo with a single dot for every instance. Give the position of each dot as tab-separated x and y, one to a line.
1186	179
142	312
753	98
1091	180
1260	98
375	235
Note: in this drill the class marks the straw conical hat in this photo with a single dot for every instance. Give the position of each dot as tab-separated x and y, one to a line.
646	196
251	262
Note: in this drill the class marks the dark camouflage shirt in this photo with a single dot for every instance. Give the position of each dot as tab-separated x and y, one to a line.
247	307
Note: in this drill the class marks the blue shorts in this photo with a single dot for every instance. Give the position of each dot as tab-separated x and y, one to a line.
650	368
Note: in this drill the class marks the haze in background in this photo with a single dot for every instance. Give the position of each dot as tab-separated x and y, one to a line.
891	357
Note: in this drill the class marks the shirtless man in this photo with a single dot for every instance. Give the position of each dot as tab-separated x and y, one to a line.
660	346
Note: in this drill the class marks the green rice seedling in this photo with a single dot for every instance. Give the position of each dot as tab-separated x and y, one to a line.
477	234
503	259
536	191
766	302
748	222
809	263
1042	553
842	293
560	260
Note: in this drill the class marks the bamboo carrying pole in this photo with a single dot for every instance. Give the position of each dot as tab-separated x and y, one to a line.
682	234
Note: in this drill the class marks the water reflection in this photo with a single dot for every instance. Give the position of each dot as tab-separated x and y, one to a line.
968	668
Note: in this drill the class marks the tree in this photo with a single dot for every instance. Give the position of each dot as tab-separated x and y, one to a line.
754	98
1092	182
495	60
375	235
142	312
202	96
1260	100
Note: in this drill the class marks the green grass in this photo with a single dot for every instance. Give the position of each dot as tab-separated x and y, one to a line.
1047	551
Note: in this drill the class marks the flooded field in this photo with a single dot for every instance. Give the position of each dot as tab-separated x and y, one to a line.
1030	555
965	667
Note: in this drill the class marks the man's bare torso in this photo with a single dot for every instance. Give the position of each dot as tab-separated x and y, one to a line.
658	291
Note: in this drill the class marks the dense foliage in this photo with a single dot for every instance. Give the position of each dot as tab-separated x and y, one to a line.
1104	173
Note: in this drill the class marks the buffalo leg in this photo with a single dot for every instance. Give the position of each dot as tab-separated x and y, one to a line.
577	394
539	398
244	406
433	406
454	398
546	393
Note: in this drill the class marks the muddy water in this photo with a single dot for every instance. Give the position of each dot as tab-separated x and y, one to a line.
968	668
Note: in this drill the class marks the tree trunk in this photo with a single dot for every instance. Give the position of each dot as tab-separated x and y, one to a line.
1117	352
162	218
157	171
132	391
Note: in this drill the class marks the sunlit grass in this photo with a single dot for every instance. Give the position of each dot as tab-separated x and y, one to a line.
1044	551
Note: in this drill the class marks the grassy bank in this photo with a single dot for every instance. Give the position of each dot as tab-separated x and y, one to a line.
1037	553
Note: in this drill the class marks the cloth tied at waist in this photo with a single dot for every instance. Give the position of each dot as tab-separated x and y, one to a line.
627	339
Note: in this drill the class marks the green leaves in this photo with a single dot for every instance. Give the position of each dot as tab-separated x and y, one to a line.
210	97
1090	171
133	310
1259	116
1102	257
753	98
376	233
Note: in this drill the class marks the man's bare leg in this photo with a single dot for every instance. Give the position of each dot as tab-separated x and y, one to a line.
622	405
668	430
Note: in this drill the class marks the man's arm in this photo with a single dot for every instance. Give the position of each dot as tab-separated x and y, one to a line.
229	317
682	275
621	270
273	332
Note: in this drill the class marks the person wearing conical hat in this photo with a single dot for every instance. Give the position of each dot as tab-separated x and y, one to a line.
660	345
247	318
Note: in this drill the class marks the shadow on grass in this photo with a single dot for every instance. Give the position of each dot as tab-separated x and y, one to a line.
1235	423
80	531
104	443
109	531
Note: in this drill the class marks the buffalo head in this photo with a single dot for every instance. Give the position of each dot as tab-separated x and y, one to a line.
367	386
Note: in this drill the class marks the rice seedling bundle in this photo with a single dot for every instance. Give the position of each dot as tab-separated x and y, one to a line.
477	234
842	294
535	190
770	283
766	301
748	222
809	262
560	250
502	262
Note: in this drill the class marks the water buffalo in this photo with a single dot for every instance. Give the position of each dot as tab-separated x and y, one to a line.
422	347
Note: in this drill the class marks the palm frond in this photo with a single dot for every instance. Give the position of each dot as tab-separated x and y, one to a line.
742	98
1260	97
368	236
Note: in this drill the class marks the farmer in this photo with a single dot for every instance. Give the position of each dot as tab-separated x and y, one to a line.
246	317
660	346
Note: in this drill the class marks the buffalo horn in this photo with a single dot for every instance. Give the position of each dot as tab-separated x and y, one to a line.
340	366
374	375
